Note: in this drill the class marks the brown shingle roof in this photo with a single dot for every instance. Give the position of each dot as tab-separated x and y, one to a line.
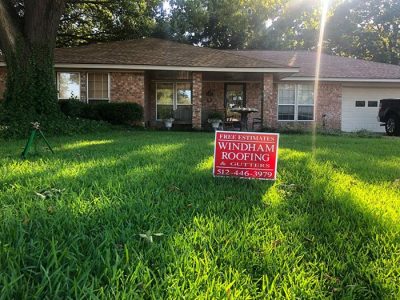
157	52
331	66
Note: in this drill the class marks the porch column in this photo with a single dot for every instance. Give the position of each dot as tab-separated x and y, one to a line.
270	108
196	99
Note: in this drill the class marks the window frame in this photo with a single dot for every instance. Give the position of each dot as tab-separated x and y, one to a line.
295	104
108	87
58	84
174	94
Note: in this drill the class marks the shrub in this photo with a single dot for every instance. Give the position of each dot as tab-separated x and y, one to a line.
119	113
69	123
72	108
90	111
115	113
73	126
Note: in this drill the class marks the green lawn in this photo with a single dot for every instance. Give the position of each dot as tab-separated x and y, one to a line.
79	223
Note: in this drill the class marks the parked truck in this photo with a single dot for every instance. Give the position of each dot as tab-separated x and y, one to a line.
389	115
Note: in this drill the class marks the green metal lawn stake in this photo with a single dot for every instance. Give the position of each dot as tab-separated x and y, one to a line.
36	130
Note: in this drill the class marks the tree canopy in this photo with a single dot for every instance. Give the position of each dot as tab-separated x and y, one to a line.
366	29
86	22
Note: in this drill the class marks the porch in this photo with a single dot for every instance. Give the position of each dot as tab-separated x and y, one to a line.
190	97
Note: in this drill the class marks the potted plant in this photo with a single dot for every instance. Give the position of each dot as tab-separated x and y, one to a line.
168	122
167	118
215	119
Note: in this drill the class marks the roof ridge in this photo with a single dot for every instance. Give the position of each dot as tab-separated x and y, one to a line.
323	53
225	52
258	59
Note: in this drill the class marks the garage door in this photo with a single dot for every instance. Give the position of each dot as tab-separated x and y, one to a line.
360	107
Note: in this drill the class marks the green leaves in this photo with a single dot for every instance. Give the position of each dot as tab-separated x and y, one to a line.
222	24
107	20
366	29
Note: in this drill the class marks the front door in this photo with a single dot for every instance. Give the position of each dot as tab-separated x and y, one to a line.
235	95
174	100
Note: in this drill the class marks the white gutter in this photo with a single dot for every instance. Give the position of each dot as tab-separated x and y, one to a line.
338	79
171	68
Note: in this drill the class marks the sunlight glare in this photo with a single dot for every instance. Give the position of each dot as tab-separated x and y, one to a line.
324	13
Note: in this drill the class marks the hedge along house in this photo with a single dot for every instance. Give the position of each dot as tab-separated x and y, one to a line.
188	82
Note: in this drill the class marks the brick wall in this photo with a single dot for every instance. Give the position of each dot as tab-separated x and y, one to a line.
270	108
253	100
2	82
329	104
197	99
127	87
213	99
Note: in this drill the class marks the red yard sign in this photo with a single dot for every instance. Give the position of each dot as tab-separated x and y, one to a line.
246	154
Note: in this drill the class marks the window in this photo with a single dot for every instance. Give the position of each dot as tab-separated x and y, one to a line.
68	85
165	100
360	103
98	86
174	100
295	102
183	94
372	103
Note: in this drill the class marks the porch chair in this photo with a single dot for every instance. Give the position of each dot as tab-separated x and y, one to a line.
232	120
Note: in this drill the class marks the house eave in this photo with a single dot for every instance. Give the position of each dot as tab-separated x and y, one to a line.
338	79
171	68
176	68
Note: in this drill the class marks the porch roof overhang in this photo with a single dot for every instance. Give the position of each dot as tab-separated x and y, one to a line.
111	67
342	79
176	68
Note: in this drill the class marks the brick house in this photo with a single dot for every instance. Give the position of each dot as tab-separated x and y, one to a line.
189	82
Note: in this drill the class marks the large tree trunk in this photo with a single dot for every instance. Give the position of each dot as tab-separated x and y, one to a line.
27	44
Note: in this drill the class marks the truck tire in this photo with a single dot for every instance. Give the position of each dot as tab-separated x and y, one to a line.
392	125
